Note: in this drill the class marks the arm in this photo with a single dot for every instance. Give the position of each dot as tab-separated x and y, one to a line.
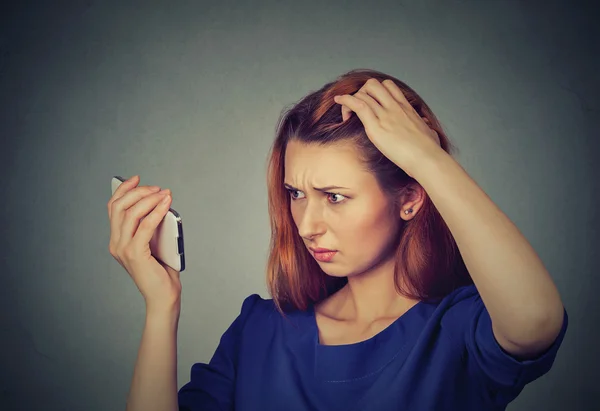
154	383
518	292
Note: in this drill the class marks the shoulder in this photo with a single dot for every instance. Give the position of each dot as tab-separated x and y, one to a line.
459	300
456	310
260	319
255	305
256	311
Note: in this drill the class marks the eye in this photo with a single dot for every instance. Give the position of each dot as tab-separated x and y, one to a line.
289	190
330	194
336	194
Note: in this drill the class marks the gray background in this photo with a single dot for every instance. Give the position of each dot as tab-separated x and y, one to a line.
188	95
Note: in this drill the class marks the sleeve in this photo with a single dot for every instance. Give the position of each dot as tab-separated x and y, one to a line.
211	386
504	375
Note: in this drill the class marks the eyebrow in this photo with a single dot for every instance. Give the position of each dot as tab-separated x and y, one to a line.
322	189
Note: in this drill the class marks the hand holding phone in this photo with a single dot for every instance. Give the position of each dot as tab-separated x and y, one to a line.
145	233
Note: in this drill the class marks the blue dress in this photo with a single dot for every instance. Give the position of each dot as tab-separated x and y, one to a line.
440	356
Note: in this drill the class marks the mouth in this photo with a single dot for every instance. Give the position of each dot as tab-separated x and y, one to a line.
321	250
325	256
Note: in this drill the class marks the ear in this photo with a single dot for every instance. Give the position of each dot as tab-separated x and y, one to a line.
413	200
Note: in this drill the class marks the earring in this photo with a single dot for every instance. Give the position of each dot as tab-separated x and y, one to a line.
410	210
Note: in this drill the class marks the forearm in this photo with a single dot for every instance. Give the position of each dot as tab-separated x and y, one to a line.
517	290
154	383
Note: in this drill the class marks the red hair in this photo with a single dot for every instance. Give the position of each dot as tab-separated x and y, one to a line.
427	259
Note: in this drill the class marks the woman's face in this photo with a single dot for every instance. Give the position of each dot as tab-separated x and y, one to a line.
355	220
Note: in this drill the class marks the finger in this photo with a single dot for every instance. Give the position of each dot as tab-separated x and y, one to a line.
147	227
346	112
124	187
372	103
399	96
380	93
397	93
358	106
120	205
136	214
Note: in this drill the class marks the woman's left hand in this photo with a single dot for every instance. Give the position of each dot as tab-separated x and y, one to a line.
391	123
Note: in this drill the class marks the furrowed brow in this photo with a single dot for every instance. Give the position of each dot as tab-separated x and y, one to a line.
322	189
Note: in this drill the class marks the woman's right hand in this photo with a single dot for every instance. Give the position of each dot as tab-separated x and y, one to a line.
134	213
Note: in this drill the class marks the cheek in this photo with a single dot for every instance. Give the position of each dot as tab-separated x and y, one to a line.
366	234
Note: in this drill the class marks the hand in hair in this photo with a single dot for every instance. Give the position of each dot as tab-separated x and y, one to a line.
391	123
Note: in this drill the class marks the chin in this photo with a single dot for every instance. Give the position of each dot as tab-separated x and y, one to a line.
335	272
337	275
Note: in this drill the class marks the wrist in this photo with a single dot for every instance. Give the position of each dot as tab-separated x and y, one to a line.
427	162
163	314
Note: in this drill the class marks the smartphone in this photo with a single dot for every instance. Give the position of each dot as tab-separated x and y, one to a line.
166	244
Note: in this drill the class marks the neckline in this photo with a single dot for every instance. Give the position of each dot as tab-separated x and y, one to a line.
359	361
381	335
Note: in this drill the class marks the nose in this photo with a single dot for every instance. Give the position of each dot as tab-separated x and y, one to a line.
310	222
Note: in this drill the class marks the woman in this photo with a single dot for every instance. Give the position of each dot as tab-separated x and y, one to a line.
430	298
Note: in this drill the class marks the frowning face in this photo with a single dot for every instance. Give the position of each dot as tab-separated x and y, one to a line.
354	219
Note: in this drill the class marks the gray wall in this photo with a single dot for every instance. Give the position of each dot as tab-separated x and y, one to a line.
188	96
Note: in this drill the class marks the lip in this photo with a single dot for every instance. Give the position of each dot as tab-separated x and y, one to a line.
324	257
321	250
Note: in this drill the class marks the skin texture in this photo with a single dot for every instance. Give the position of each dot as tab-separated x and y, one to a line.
358	223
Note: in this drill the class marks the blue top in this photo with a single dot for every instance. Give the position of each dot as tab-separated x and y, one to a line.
440	356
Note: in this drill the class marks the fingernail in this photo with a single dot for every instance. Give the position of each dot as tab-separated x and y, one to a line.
132	178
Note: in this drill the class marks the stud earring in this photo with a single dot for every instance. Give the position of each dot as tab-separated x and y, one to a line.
410	210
